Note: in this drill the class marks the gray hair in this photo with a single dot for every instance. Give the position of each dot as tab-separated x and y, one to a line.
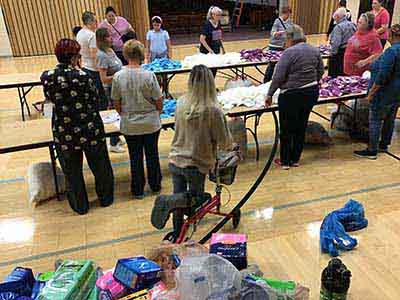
296	34
88	17
213	10
341	12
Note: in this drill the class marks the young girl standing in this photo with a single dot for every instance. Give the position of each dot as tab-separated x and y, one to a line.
158	43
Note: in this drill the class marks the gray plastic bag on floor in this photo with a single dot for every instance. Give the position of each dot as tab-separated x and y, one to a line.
41	182
316	134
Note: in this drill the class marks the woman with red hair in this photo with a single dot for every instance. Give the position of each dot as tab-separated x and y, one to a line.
77	127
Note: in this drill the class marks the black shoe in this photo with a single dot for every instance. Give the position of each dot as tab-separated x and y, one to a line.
366	154
383	149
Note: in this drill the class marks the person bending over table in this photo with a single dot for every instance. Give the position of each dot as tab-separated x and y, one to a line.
278	38
108	64
138	99
384	97
86	38
77	127
338	39
200	130
363	47
382	20
297	74
118	27
158	43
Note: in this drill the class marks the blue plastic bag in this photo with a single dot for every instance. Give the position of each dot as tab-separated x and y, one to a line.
333	233
161	64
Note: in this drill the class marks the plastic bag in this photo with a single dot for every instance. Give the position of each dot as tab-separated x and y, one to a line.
333	236
208	277
41	182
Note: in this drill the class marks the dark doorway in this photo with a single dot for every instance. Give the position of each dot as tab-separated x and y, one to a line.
365	5
183	19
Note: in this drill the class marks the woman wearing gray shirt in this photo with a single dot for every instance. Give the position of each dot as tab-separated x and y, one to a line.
138	99
297	75
278	38
108	64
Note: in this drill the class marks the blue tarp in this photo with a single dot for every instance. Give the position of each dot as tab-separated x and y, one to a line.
334	228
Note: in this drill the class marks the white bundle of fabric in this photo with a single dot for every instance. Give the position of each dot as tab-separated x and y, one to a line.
41	182
212	60
253	96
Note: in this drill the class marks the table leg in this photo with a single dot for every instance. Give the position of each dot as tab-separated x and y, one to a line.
321	116
254	132
54	166
21	102
24	94
355	114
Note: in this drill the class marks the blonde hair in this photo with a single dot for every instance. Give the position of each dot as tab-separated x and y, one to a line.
202	93
134	50
213	10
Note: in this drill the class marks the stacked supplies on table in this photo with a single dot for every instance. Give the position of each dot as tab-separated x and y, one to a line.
162	64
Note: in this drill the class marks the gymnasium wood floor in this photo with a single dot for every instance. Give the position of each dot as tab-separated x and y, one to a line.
282	218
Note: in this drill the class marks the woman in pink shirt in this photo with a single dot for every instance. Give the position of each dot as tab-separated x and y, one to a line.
382	20
118	27
363	47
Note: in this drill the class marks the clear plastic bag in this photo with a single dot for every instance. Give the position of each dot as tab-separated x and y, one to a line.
208	277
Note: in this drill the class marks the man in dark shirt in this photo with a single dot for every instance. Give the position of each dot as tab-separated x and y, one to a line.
77	127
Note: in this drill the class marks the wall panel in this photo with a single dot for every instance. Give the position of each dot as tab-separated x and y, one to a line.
313	15
35	26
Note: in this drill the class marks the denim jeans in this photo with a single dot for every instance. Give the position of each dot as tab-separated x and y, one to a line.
184	180
381	125
136	145
99	163
114	140
295	107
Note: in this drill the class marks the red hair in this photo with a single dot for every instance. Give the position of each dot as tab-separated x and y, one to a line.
66	49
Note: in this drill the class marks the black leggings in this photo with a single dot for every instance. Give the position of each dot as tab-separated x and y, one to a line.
295	107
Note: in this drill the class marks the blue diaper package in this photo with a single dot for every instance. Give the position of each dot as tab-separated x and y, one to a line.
137	273
20	282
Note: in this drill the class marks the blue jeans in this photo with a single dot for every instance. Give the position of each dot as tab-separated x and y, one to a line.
381	125
114	140
185	180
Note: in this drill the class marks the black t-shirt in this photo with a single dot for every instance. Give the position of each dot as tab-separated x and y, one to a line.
213	37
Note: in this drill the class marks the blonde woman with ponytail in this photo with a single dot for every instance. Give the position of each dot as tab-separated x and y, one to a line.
200	131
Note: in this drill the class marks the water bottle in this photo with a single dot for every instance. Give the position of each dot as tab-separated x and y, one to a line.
335	281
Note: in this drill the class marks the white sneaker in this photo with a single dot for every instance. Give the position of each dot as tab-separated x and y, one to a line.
121	142
116	149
